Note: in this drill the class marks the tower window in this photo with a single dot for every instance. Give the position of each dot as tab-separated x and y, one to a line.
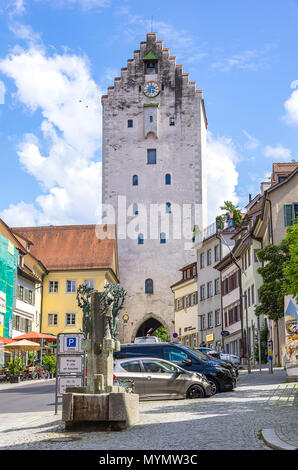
148	286
130	123
150	66
168	178
135	180
141	239
151	156
151	118
172	121
163	238
135	209
168	207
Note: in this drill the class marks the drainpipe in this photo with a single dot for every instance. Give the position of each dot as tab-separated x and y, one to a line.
221	304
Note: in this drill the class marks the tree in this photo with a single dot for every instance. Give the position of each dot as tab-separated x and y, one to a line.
275	258
161	333
290	270
263	343
229	207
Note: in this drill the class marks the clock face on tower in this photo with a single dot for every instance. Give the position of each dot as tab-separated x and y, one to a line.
151	89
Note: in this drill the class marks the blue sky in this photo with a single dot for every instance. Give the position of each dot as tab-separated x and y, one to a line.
58	56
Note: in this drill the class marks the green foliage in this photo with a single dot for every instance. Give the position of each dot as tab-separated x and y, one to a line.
16	366
290	270
50	363
161	333
274	257
229	207
32	356
264	334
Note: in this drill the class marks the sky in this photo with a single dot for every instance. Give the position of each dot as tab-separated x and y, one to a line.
57	57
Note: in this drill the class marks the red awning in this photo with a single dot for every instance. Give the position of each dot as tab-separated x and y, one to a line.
6	340
35	336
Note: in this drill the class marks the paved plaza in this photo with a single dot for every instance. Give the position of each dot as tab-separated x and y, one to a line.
232	420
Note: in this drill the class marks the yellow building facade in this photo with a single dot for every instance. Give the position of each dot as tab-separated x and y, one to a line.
72	255
186	306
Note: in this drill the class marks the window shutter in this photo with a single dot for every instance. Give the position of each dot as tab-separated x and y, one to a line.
26	297
288	214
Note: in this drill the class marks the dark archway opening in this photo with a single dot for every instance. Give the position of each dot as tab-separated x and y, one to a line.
148	327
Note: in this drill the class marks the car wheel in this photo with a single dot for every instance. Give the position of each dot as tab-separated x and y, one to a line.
214	386
195	391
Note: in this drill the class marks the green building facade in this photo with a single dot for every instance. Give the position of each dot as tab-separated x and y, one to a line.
8	284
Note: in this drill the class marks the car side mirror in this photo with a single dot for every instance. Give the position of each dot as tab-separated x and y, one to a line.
186	362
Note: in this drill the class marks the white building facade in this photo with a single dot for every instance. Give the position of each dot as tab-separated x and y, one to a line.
154	139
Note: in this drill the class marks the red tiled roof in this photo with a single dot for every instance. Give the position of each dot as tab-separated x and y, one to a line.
70	246
6	340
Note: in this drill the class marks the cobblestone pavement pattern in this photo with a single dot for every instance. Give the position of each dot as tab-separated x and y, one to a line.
231	420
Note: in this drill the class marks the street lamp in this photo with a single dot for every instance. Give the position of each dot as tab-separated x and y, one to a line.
247	336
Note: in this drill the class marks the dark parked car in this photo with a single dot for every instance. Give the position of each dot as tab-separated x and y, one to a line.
216	356
155	379
220	375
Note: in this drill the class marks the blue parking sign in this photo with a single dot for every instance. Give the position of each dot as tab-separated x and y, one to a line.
71	342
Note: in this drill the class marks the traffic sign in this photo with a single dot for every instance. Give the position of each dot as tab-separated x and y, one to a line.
70	364
70	343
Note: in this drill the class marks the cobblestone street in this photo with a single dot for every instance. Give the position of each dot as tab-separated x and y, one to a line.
232	420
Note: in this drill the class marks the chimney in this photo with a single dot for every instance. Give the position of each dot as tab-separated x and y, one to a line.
264	186
249	198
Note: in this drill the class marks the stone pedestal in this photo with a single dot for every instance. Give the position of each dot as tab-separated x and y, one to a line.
100	412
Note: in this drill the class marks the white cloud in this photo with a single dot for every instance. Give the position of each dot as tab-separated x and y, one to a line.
222	176
250	59
252	143
63	159
16	7
291	106
84	4
278	152
21	214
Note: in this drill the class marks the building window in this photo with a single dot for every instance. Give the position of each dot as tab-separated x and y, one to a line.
168	178
21	293
53	287
216	253
52	319
217	317
163	238
248	297
201	260
30	297
168	207
150	67
248	257
290	213
135	180
177	304
151	156
70	319
193	299
135	209
140	239
130	123
89	283
202	292
252	294
148	286
70	286
209	289
151	118
172	121
203	322
209	261
209	319
216	286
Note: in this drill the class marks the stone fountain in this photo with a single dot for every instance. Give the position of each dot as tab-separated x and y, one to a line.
100	405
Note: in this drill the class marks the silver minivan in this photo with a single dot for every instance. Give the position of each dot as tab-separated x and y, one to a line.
156	379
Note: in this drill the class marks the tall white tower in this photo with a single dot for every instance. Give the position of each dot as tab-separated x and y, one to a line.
154	140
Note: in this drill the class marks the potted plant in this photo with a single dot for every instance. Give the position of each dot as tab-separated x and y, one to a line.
15	367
